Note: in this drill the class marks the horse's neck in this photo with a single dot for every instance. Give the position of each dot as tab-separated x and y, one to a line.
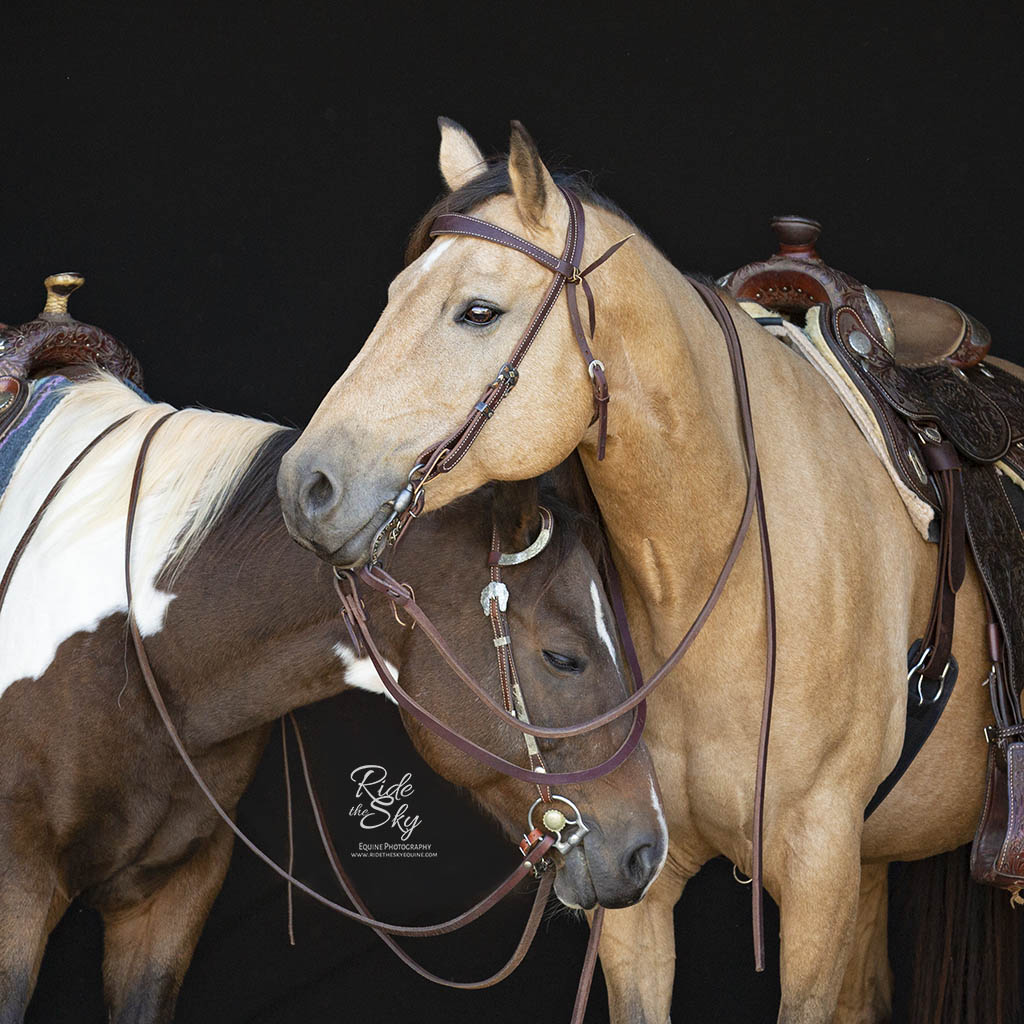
259	632
672	485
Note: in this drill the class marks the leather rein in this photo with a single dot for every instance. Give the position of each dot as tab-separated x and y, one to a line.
443	456
534	846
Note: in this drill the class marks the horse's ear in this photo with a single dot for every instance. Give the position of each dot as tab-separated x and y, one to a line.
532	185
515	512
460	160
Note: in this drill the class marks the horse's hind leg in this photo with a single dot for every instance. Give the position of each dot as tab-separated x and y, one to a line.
149	945
866	995
30	906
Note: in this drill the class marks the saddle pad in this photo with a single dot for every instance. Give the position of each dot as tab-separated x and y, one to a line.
44	396
808	341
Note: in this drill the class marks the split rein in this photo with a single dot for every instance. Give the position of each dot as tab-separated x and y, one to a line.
446	454
442	458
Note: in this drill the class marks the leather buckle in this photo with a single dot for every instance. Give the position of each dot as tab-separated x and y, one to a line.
507	378
507	375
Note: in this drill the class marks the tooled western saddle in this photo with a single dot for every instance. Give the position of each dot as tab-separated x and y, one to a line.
953	427
54	340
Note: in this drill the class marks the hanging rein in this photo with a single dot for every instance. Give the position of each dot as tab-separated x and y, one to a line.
442	458
536	842
446	454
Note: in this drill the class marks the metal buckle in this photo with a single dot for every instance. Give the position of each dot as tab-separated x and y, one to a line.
928	434
508	374
593	366
920	679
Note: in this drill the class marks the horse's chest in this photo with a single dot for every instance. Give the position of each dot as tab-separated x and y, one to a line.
164	824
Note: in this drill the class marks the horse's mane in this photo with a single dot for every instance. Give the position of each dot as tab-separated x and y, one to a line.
198	464
495	182
251	512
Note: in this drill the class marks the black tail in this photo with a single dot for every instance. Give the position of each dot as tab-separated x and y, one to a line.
957	947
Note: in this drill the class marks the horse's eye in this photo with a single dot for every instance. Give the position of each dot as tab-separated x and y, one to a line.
479	314
563	662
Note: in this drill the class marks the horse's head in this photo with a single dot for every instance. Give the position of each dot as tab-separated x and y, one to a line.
453	317
569	668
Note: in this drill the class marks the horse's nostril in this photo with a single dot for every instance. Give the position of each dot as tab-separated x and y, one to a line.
643	862
318	495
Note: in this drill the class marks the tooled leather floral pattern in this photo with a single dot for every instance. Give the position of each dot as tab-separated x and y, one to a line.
998	547
1011	857
48	345
964	413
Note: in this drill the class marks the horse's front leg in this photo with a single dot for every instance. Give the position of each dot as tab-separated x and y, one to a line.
866	995
638	953
149	945
31	903
814	874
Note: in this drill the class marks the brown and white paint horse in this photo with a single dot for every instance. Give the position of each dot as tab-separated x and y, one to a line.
853	578
242	625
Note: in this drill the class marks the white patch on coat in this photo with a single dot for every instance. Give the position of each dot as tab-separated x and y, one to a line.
360	672
599	621
71	576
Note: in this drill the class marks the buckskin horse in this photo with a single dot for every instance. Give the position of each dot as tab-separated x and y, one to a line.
241	625
853	577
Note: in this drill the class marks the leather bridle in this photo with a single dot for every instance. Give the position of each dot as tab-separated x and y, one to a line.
443	456
536	843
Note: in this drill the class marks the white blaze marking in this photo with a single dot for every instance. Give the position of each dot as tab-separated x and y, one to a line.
360	672
602	626
429	258
656	803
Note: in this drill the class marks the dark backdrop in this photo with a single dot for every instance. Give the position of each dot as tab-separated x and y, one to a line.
237	183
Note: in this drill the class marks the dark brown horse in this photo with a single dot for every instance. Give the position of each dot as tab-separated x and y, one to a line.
241	626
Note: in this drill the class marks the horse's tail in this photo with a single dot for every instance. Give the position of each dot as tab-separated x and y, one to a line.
961	943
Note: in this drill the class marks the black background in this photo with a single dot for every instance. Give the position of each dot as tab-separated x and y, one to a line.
237	182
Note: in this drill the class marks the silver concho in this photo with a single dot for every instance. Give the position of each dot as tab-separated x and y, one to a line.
860	343
882	319
497	592
915	462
